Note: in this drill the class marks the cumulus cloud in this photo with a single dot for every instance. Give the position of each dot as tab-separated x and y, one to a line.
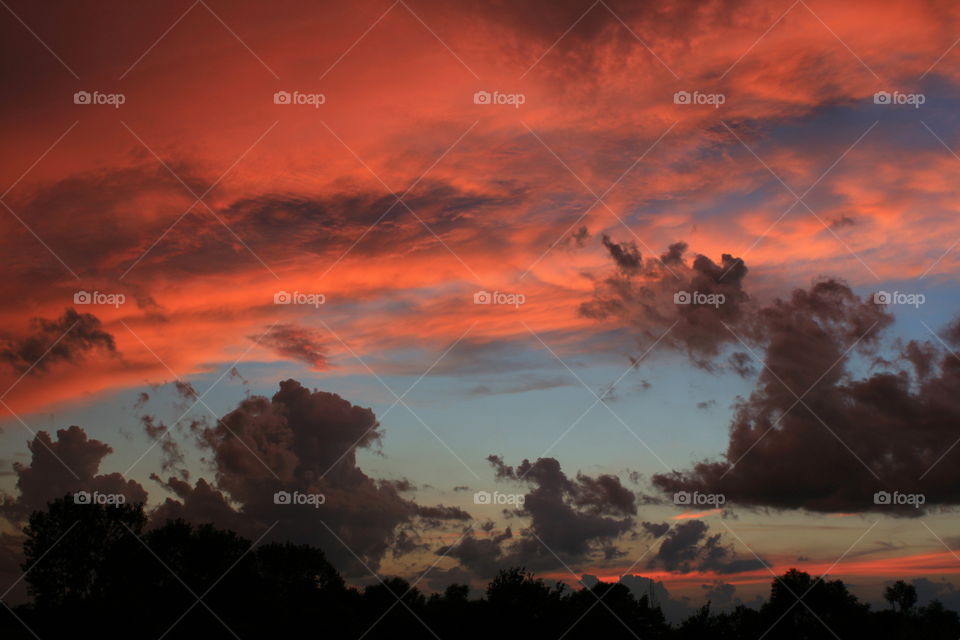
688	547
850	437
297	441
305	441
63	466
812	434
483	556
574	518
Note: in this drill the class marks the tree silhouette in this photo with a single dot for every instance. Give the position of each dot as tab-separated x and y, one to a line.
100	571
82	548
801	606
901	596
610	610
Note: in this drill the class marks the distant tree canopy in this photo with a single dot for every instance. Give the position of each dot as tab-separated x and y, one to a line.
96	571
901	595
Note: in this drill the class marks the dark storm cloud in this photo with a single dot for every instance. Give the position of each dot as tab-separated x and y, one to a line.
483	556
200	502
652	295
688	547
70	463
441	512
572	518
298	343
851	437
306	441
68	338
604	494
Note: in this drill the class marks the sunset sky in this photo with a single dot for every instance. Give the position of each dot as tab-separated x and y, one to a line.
183	163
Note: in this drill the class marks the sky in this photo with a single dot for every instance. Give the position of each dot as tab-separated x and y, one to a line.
677	276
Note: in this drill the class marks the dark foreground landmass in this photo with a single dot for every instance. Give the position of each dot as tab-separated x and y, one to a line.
96	572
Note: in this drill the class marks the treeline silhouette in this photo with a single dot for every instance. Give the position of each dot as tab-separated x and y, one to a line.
97	571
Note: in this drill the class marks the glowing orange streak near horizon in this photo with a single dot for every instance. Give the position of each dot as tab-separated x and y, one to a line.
938	563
